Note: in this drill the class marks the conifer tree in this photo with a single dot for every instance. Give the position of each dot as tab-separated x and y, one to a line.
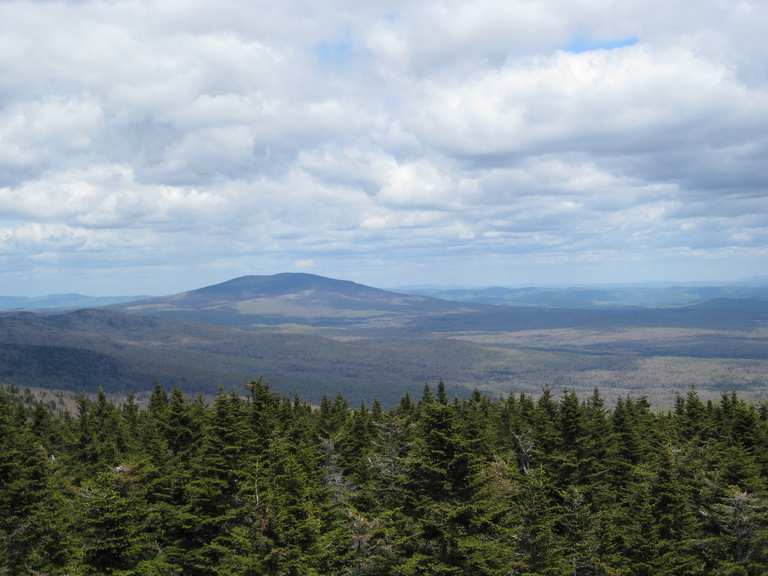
214	488
594	448
113	540
675	520
476	486
537	545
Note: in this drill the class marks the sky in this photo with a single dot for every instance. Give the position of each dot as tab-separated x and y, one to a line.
152	147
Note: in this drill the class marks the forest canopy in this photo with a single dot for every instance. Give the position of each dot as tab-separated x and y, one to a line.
255	483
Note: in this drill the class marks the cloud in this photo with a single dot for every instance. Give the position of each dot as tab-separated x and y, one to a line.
380	142
306	264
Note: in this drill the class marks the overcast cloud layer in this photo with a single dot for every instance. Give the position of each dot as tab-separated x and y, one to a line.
156	146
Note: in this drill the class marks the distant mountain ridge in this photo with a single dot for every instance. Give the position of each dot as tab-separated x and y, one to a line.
319	336
598	297
348	295
321	302
62	301
291	298
252	286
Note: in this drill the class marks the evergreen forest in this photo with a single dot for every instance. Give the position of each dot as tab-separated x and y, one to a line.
257	484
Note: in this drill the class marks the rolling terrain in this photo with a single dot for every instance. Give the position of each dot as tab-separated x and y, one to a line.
126	352
319	336
631	296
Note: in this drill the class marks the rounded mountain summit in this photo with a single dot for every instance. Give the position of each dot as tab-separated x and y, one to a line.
293	298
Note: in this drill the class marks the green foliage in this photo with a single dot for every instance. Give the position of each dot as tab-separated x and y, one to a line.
261	485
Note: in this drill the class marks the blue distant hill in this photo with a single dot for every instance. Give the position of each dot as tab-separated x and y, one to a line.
62	301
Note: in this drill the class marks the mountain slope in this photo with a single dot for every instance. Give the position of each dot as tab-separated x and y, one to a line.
294	298
127	352
320	302
369	343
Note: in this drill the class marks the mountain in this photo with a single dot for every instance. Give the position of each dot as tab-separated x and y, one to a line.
316	302
294	298
61	301
320	336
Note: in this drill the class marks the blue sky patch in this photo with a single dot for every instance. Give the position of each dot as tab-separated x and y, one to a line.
335	52
581	44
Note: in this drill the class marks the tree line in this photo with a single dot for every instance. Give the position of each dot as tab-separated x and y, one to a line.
258	484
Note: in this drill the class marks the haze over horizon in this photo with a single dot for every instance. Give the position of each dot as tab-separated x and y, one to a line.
442	289
152	148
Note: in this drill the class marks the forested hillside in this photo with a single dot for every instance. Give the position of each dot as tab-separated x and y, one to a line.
259	484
